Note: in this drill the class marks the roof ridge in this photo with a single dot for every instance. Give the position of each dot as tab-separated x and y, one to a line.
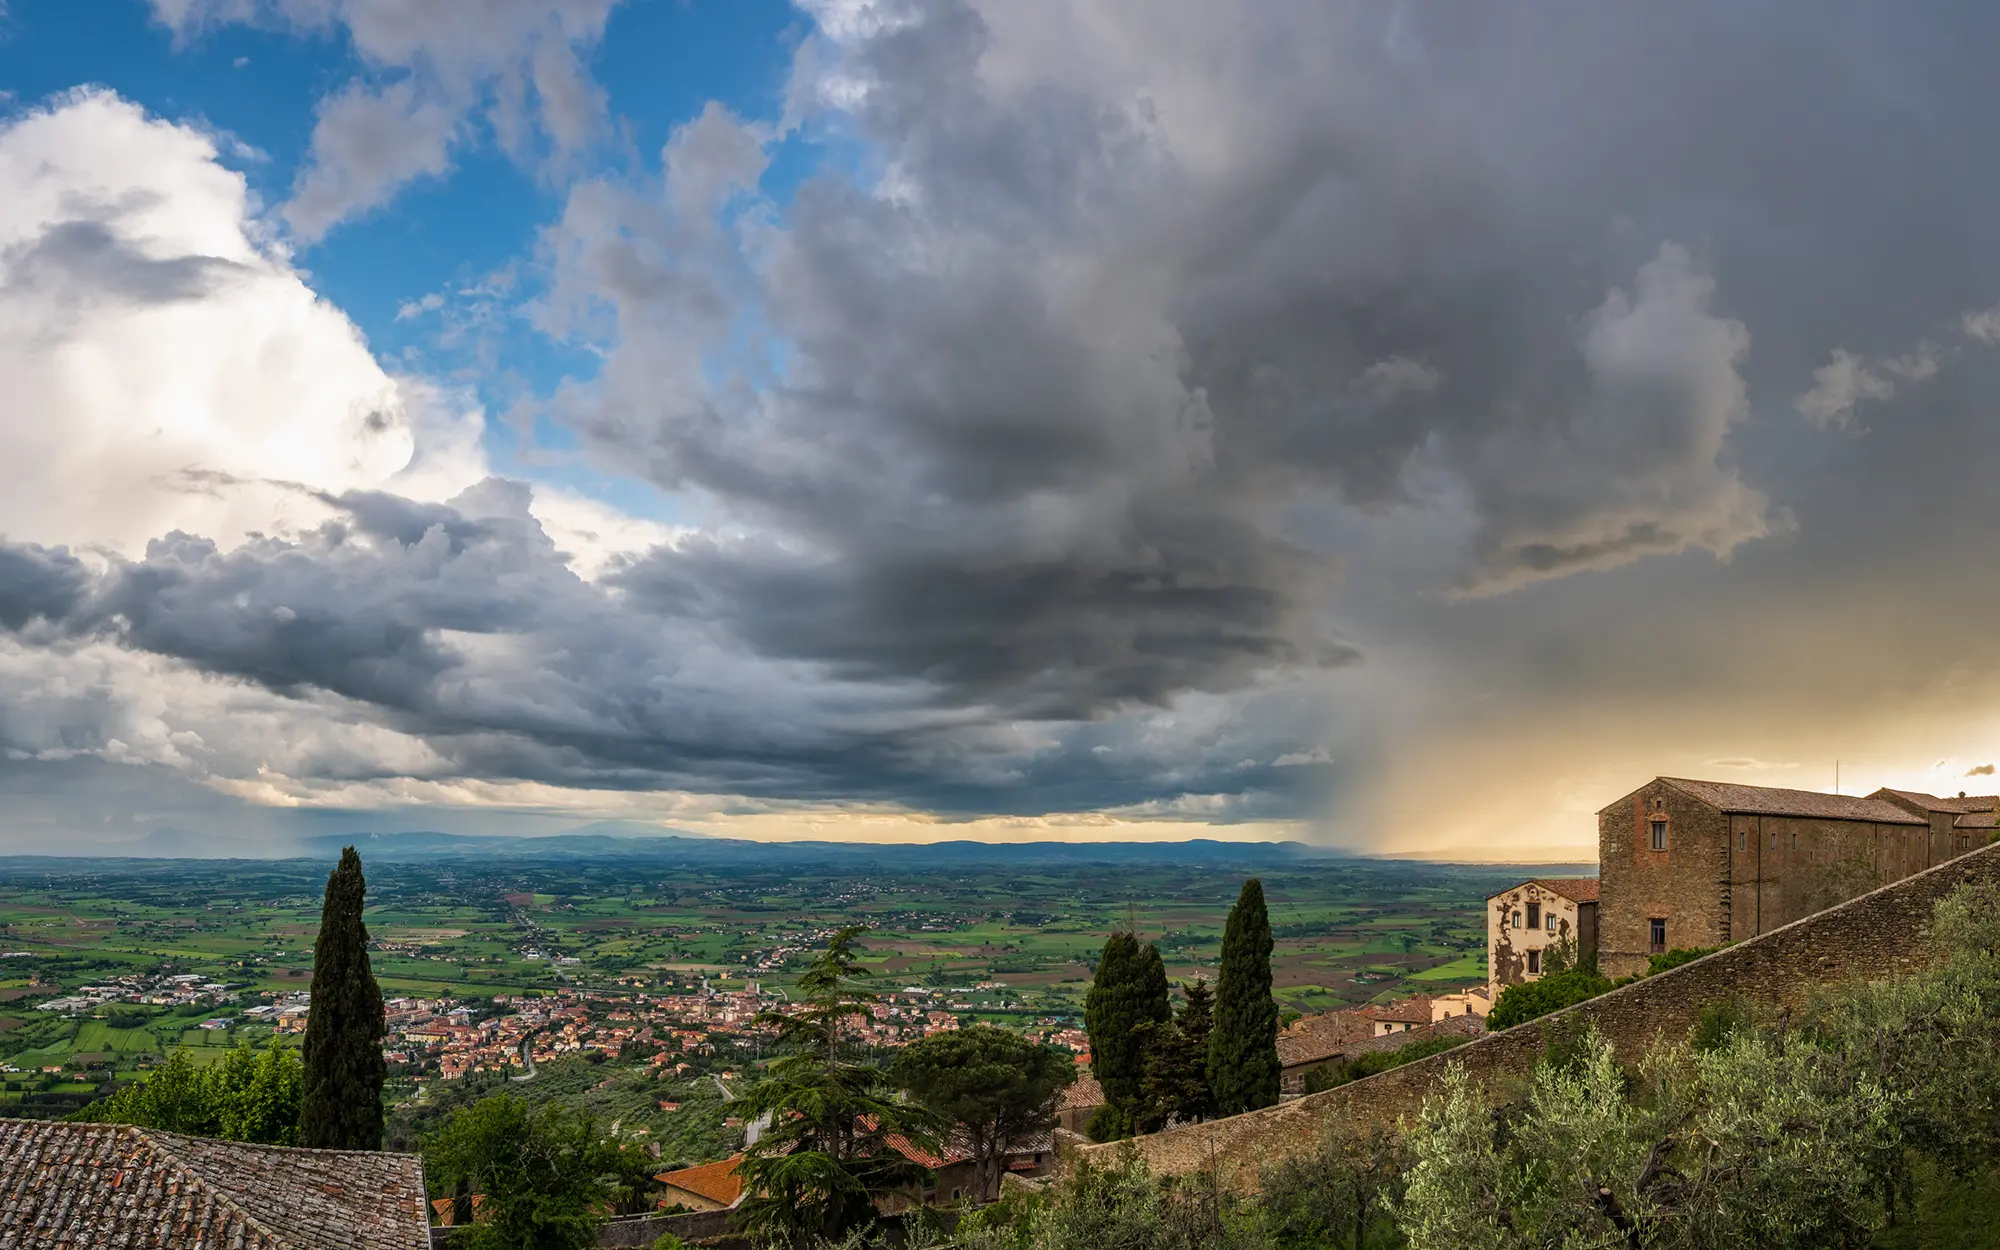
194	1176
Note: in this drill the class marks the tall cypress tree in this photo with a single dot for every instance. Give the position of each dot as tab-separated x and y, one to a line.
1128	992
342	1107
1243	1045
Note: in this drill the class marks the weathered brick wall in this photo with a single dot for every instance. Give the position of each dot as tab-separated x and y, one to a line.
1879	934
1687	884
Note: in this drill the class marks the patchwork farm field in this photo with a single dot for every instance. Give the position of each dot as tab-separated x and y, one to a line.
1347	931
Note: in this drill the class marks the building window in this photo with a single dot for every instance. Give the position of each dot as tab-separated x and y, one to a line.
1517	917
1534	915
1742	841
1659	834
1551	922
1774	840
1659	935
1534	963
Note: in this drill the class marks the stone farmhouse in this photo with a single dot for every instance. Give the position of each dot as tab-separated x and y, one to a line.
1686	863
80	1186
1524	922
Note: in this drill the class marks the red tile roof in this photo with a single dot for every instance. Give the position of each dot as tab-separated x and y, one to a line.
717	1182
1085	1092
1321	1036
1415	1010
1771	801
1575	889
81	1186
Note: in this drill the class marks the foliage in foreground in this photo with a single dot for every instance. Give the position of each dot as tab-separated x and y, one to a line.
547	1175
248	1096
1795	1135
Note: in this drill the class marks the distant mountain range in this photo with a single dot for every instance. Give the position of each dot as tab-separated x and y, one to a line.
627	840
693	849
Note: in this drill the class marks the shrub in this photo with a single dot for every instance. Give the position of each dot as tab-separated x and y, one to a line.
1717	1023
1108	1123
1529	1000
1676	957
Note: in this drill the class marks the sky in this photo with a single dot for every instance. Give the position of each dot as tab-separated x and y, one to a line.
1398	426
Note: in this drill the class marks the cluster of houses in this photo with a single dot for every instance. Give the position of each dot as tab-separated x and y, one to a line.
455	1037
180	990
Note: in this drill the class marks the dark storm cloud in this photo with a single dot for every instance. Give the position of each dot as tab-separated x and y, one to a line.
461	624
39	586
1164	350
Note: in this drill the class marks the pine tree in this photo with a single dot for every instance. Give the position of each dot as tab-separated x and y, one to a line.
825	1155
1128	993
1243	1045
342	1105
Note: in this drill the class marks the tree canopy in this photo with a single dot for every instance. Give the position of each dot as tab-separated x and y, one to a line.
1528	1000
548	1177
248	1095
997	1086
829	1110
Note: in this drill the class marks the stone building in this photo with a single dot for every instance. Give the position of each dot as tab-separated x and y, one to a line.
1524	922
1686	863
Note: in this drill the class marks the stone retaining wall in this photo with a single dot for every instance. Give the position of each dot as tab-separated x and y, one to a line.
1879	934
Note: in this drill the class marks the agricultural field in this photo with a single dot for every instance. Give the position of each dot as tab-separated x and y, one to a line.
1347	930
995	943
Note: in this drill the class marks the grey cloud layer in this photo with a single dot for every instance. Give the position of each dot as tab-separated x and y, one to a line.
462	626
1054	433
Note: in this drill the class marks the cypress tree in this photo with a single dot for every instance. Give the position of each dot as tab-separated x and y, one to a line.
1243	1044
1128	992
1176	1082
342	1107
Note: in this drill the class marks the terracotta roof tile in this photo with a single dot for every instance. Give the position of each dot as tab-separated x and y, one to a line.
1976	820
717	1182
1917	799
1416	1010
1771	801
1575	889
1084	1092
79	1186
1316	1037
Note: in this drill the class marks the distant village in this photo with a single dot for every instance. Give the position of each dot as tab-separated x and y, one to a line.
449	1037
